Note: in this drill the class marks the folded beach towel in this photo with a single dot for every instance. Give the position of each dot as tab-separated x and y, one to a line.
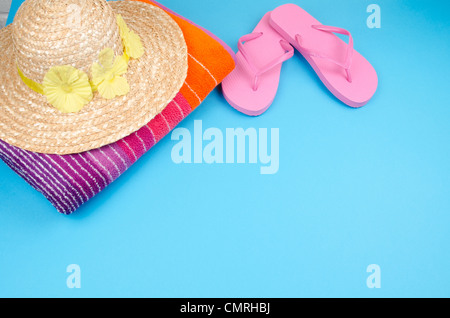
68	181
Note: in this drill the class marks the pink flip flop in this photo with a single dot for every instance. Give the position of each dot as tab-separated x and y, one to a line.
345	72
252	86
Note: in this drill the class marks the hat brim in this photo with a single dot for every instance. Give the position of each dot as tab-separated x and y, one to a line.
29	122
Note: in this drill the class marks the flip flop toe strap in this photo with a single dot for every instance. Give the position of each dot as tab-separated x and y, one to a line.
258	71
330	29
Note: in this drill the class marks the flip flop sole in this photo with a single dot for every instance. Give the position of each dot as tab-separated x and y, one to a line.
290	20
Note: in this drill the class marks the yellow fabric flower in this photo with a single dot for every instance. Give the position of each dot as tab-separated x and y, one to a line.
106	75
67	88
131	41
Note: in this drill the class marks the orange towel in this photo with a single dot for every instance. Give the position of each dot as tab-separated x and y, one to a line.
209	62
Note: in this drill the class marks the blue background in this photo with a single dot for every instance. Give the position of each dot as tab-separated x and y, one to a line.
355	187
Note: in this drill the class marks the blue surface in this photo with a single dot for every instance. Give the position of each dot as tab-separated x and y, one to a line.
355	187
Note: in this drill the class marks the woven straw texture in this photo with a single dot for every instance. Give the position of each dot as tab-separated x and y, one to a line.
37	40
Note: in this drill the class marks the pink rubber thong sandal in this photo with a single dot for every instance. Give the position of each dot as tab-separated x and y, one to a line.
252	86
345	72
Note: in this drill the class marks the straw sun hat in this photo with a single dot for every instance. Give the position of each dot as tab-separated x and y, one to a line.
80	74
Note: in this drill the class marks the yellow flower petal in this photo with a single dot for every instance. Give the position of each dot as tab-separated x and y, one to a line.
106	57
133	45
98	74
131	41
67	88
118	86
101	70
123	28
120	65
